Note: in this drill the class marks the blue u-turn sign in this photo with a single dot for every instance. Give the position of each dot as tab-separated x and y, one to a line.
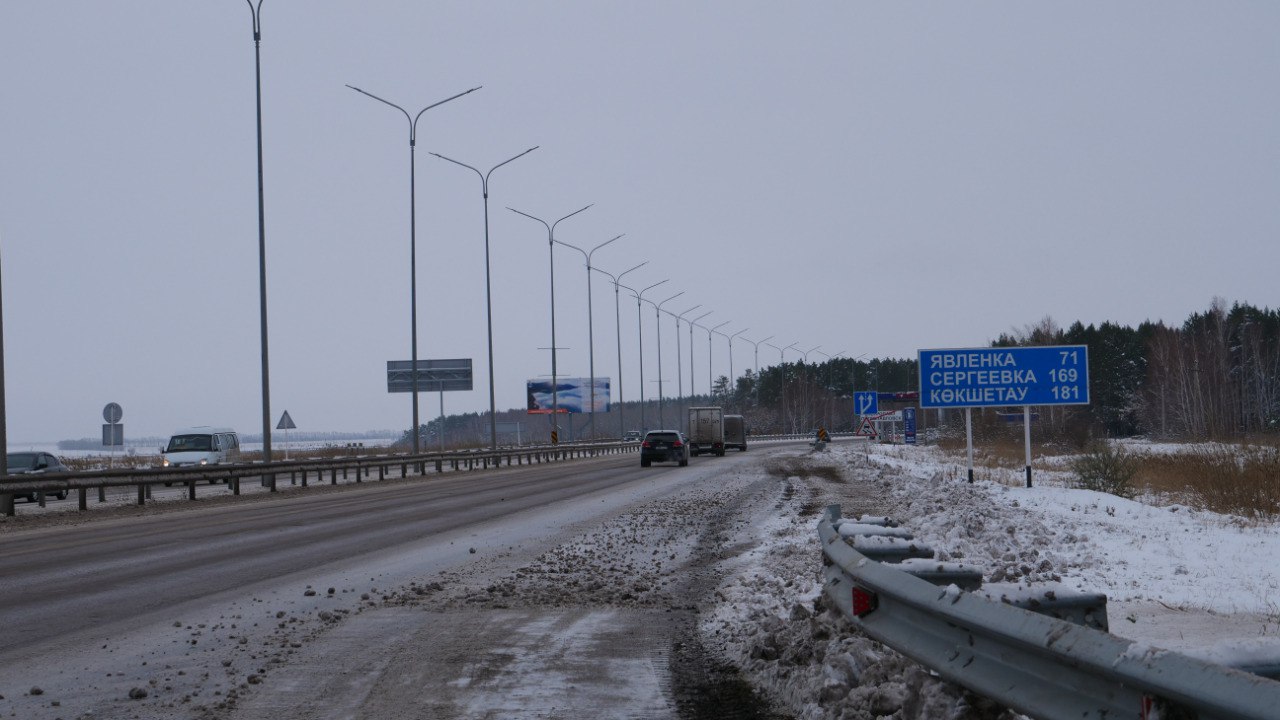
987	377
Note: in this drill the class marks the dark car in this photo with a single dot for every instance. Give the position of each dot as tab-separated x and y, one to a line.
35	463
664	446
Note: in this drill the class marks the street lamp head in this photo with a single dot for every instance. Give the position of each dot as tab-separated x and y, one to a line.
726	322
695	320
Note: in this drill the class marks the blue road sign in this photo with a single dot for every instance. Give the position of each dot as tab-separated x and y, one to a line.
866	403
909	425
997	377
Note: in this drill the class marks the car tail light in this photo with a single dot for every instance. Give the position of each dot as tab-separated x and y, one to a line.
864	601
677	444
645	444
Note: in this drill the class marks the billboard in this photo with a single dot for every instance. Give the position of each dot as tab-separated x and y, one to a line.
433	375
573	395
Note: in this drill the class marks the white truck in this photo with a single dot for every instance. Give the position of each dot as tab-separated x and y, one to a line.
706	430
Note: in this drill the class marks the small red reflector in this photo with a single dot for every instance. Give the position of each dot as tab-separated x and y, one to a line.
864	601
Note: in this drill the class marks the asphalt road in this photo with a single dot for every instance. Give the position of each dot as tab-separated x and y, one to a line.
99	610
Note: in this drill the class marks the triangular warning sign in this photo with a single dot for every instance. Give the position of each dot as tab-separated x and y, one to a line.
866	429
286	422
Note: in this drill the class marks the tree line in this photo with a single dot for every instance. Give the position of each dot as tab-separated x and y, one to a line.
1214	377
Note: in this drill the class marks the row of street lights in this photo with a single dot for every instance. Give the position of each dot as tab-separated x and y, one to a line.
484	176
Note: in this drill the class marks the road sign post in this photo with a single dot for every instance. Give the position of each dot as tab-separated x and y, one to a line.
1004	377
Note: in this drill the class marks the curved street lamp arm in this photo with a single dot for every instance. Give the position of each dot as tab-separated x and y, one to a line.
455	162
257	18
544	222
640	295
387	102
484	177
658	306
566	217
455	97
686	312
504	162
413	121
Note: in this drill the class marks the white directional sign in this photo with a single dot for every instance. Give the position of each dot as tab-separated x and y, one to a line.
866	403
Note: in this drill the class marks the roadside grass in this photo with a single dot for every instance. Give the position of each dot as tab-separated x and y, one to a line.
1239	480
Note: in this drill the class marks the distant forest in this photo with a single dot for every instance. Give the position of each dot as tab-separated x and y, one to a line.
1214	377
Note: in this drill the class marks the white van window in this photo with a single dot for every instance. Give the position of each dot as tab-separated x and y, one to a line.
190	443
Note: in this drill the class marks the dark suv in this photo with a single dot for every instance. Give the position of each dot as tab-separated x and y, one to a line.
664	446
35	463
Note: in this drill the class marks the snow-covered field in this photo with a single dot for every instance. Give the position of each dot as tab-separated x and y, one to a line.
1181	579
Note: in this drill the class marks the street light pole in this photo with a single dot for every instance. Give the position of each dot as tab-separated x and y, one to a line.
692	391
488	296
640	336
617	319
732	381
551	246
256	12
591	343
679	372
711	386
657	321
782	368
413	242
756	344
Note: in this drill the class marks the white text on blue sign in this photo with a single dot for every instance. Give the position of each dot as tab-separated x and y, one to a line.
982	377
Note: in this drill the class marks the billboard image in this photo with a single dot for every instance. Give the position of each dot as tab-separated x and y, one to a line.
573	395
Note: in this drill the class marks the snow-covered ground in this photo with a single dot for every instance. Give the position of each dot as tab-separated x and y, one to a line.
1177	578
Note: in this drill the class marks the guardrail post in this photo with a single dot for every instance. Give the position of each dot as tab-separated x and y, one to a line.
102	494
333	476
359	475
235	485
6	505
84	498
439	466
304	477
40	498
404	470
191	489
382	472
142	494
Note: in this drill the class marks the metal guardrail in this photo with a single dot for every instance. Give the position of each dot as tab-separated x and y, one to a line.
1040	666
364	466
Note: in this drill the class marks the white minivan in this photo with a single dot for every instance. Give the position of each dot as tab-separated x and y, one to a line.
201	445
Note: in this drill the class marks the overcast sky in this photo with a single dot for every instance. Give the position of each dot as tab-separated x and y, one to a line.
871	178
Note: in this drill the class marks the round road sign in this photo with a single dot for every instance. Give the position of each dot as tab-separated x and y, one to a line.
112	413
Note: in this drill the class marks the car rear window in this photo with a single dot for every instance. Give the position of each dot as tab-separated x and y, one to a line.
663	437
